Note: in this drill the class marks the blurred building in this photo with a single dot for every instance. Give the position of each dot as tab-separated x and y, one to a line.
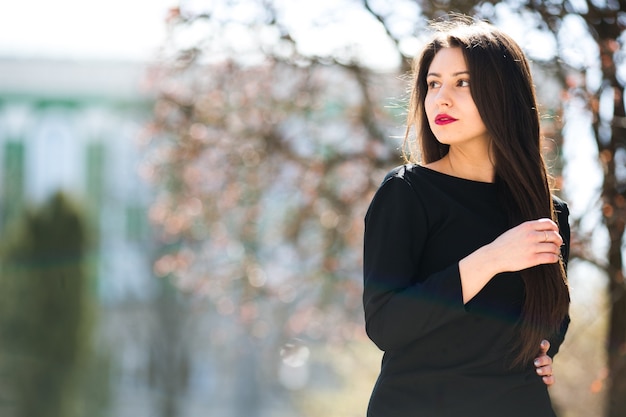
73	126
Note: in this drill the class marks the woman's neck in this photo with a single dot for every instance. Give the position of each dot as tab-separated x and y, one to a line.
468	166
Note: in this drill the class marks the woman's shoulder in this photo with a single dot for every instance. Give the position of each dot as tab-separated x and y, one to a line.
409	173
398	172
562	214
398	194
560	206
399	178
409	178
559	203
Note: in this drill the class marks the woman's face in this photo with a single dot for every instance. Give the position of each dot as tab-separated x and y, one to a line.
450	108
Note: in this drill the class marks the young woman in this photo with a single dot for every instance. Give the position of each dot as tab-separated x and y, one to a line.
465	253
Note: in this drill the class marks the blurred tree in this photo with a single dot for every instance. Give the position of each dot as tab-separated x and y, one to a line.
44	315
267	157
275	124
607	23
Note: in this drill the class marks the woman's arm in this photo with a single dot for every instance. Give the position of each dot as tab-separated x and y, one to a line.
398	308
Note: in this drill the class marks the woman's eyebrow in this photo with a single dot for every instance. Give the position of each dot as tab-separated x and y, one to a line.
456	74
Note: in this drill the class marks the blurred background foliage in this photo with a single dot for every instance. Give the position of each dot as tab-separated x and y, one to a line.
273	123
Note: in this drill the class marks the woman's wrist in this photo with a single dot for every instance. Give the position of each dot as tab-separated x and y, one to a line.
476	270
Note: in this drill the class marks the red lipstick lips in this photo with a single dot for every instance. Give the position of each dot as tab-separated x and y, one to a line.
444	119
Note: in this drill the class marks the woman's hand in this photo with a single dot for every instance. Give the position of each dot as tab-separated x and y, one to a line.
543	364
531	243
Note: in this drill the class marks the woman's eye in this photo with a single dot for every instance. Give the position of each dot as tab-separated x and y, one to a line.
433	84
463	83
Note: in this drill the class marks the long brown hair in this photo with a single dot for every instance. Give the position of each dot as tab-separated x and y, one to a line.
502	89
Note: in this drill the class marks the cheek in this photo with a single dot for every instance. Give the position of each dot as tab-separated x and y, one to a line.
471	109
476	115
428	103
470	104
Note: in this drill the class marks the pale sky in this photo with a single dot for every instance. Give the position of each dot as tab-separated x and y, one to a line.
83	29
134	29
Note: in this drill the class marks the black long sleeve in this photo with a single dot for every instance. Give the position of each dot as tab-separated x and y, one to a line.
400	306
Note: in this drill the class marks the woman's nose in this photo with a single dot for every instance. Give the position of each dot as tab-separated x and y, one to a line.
443	97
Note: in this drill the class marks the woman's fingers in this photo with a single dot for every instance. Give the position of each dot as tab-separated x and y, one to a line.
543	364
549	380
545	224
532	243
550	241
549	236
543	244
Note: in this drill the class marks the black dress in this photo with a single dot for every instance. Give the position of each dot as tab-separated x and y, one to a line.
443	358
